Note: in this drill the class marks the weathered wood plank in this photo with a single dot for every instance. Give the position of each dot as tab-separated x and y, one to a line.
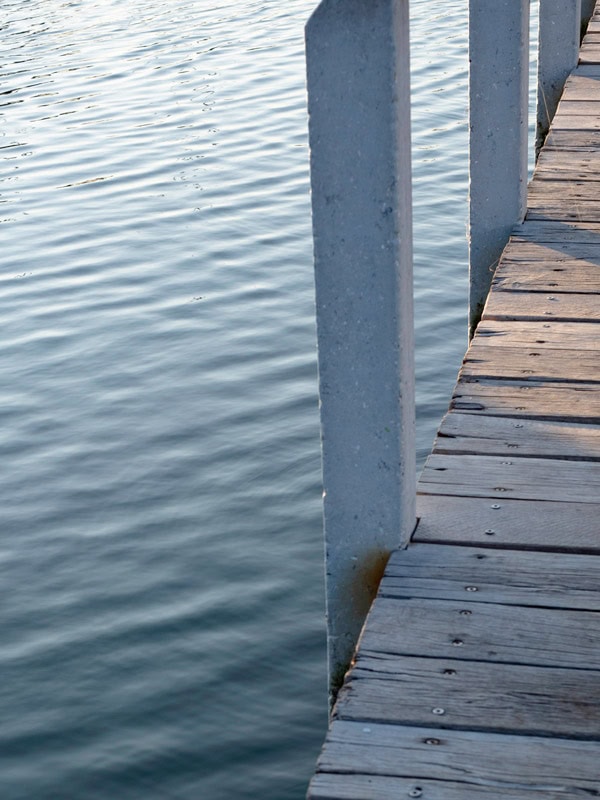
518	478
567	210
557	580
507	304
564	191
493	763
584	78
572	140
575	122
484	360
554	335
585	106
356	786
568	165
524	251
473	696
562	233
536	401
532	524
461	433
510	634
589	52
560	276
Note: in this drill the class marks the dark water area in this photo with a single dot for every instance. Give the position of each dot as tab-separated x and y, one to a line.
161	573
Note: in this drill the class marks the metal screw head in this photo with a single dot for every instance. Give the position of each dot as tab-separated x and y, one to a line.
465	612
416	792
457	642
449	672
495	506
489	531
471	589
431	740
438	711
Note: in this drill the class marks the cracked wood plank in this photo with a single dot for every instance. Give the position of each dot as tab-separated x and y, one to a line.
547	334
506	303
501	436
558	580
575	402
531	524
491	632
515	478
473	696
564	234
487	764
356	786
485	360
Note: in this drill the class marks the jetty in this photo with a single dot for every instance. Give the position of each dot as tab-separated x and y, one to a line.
477	671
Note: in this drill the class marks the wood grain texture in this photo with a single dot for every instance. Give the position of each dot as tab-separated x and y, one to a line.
461	433
534	400
563	190
473	696
526	524
356	786
493	763
551	278
551	305
565	234
570	140
558	580
523	251
590	51
542	335
484	360
514	478
509	634
555	165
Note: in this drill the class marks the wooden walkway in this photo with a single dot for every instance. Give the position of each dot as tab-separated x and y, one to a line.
478	670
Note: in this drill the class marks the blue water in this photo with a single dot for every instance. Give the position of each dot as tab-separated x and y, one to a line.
161	575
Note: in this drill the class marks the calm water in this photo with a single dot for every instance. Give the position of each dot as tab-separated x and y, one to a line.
160	541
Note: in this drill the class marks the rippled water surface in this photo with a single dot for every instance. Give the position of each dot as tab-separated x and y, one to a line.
160	540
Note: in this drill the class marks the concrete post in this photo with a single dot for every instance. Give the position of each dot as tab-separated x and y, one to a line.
558	51
587	9
498	86
359	126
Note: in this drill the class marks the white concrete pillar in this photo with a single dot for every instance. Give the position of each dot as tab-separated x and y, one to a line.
558	51
498	86
359	125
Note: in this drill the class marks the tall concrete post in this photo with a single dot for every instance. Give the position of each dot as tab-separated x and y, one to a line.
587	9
359	125
558	51
498	101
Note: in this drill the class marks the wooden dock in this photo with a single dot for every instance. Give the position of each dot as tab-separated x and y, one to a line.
478	669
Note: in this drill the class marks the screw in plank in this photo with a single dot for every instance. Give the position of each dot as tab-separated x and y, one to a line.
495	506
457	642
438	711
471	589
489	532
431	740
416	792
